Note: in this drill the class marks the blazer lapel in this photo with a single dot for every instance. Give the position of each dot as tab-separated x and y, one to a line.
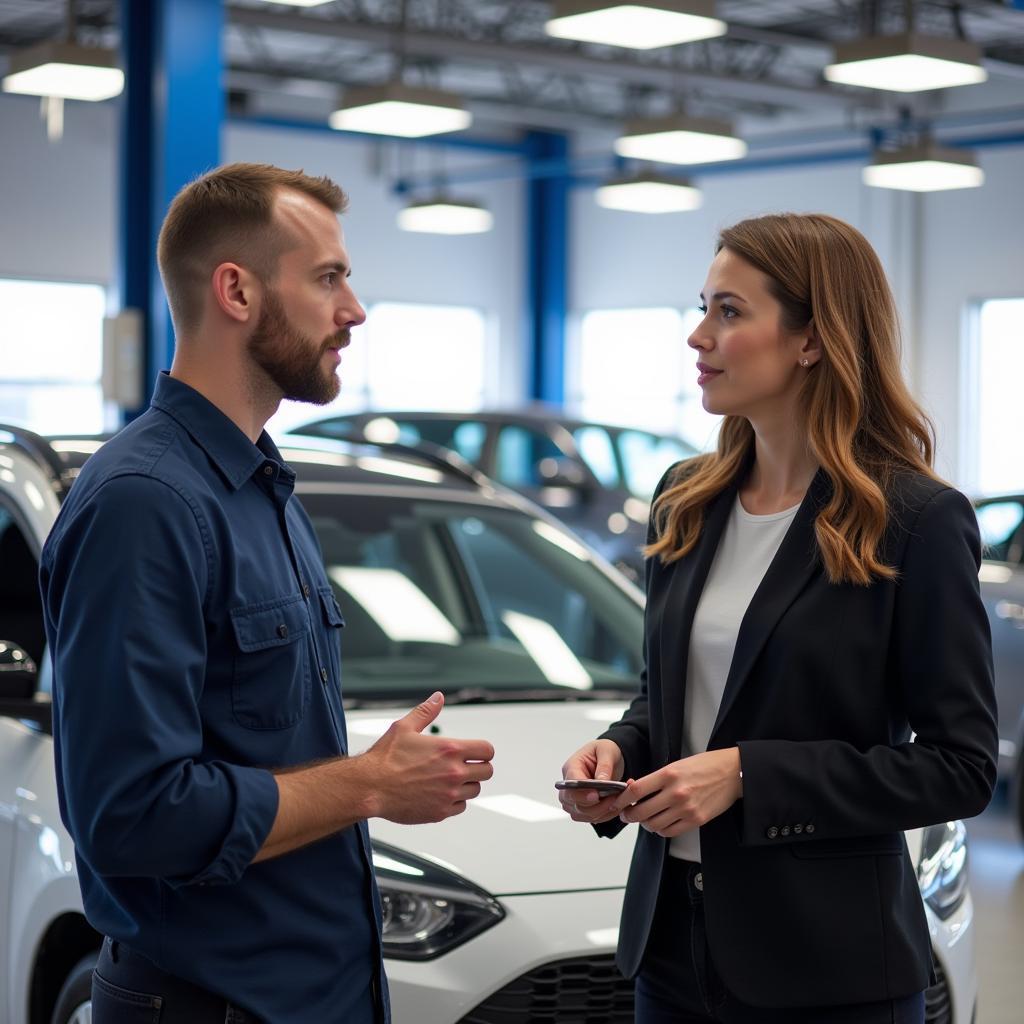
791	569
685	584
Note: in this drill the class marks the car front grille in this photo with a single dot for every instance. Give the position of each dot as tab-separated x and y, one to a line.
586	990
938	1003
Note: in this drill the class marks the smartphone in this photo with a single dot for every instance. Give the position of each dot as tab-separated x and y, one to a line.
603	786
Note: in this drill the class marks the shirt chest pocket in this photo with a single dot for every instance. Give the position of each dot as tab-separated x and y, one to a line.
271	677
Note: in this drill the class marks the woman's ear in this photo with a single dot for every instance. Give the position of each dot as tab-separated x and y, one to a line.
810	350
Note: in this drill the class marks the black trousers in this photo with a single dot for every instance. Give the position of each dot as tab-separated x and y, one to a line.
678	983
129	989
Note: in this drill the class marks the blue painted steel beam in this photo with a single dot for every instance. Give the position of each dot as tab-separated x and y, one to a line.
173	110
547	257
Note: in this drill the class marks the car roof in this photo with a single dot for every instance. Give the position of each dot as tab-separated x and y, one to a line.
359	465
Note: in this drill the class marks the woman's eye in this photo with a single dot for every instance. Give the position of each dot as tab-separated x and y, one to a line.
729	312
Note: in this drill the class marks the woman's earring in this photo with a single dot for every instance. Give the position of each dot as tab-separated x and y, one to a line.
805	362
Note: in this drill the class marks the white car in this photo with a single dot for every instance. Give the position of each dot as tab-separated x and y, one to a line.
508	912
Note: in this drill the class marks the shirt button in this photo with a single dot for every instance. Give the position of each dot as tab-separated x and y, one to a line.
282	631
809	827
323	674
305	590
268	470
772	832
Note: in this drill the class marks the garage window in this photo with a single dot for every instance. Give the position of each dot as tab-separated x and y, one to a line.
993	414
51	352
633	367
406	356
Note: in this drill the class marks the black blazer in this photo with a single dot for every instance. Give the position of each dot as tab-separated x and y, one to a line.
810	895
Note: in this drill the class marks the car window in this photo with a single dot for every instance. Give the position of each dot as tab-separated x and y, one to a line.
338	426
456	597
645	457
463	436
521	452
21	610
998	522
598	452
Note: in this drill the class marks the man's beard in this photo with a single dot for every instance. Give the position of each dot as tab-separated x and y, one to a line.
292	360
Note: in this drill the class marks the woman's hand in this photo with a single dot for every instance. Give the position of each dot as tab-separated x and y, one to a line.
684	794
598	759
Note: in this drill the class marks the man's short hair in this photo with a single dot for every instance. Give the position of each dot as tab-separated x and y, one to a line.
227	216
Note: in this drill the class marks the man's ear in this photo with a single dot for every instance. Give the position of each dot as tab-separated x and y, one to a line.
811	348
236	291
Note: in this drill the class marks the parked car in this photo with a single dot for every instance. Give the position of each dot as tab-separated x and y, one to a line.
596	478
506	913
1001	521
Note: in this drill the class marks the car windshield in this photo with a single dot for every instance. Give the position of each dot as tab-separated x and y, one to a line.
481	602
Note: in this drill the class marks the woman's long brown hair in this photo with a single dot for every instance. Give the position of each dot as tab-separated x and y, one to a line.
862	423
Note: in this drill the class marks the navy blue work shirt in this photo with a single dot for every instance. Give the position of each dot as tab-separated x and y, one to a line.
195	646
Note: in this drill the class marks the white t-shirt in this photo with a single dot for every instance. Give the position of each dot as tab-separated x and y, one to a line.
745	551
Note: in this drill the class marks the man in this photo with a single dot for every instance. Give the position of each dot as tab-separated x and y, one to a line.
219	825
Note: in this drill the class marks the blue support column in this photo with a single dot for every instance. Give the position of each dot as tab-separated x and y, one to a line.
171	122
547	254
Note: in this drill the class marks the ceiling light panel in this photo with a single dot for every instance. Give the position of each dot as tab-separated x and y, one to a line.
400	110
445	217
907	63
65	70
640	25
924	168
649	194
680	140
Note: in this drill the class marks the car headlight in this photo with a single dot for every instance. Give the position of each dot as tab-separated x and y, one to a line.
427	909
942	871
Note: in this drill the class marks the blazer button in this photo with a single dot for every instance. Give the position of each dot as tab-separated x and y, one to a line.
809	827
797	829
785	830
772	832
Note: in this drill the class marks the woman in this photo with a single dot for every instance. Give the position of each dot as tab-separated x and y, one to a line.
812	600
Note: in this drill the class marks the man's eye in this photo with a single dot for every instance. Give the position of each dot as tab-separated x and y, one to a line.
331	278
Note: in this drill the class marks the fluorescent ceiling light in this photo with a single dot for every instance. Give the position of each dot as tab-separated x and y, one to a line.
641	25
924	168
649	193
67	70
397	109
907	63
442	216
680	140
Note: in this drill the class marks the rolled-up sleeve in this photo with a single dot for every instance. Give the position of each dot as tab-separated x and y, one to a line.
124	579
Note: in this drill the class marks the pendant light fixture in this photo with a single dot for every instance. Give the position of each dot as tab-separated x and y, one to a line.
648	192
442	215
924	167
639	25
64	70
679	139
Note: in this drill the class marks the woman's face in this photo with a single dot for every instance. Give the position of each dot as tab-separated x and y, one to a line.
748	364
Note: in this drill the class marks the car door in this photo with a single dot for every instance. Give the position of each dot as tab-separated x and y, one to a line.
1001	522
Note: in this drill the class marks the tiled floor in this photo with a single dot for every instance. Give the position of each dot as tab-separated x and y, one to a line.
997	884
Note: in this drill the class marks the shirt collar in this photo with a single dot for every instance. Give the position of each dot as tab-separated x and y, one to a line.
220	437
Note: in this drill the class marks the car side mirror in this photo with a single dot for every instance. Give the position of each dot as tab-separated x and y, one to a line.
19	676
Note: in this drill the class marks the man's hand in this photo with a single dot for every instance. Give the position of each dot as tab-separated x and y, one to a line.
598	759
684	794
416	779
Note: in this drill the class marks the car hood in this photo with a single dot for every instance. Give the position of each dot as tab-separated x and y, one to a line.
514	838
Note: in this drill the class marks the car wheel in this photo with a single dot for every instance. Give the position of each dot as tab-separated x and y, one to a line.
74	1004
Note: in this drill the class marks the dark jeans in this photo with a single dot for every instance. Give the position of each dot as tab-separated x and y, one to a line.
129	989
678	983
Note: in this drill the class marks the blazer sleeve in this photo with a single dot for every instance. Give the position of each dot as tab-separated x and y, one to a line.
940	664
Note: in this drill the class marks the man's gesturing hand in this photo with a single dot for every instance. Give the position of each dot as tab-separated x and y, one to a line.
418	779
598	759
